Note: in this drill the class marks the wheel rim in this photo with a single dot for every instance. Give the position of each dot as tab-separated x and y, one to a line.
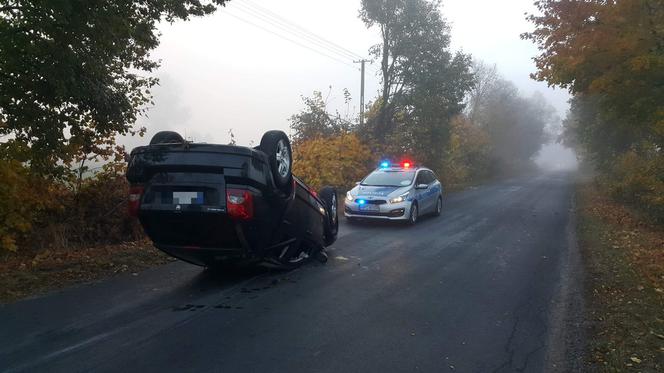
283	159
439	205
333	209
413	214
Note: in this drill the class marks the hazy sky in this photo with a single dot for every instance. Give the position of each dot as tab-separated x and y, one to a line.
226	71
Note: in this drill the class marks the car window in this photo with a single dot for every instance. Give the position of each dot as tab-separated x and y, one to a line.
425	178
421	178
389	178
431	177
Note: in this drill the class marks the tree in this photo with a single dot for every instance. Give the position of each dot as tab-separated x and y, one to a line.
315	121
468	155
76	73
514	124
424	83
612	51
486	78
610	56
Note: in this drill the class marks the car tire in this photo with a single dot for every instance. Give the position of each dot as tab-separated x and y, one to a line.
276	146
414	215
439	206
166	137
329	196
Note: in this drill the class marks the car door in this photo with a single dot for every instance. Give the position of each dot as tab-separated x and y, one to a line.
436	189
423	194
431	190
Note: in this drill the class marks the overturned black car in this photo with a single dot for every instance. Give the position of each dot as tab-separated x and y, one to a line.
214	205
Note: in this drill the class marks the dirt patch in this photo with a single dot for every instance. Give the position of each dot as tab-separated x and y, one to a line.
23	275
624	258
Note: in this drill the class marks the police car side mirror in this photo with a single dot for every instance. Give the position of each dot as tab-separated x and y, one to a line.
421	186
357	182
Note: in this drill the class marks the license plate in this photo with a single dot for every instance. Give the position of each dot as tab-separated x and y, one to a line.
369	208
188	198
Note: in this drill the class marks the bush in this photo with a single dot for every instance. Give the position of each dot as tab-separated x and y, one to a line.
97	212
36	212
339	161
638	179
23	199
467	158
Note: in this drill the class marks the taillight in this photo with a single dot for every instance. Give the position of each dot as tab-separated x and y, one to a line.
240	204
135	194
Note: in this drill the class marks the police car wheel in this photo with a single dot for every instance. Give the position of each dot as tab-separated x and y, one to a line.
414	214
439	206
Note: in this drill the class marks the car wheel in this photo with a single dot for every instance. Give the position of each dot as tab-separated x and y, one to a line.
439	206
166	137
329	196
276	146
414	214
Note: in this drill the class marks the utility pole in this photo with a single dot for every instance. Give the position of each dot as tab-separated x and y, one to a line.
362	90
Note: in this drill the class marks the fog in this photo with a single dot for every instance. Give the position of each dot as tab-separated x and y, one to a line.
555	157
235	71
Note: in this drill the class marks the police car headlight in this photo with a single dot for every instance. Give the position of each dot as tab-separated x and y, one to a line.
400	199
349	197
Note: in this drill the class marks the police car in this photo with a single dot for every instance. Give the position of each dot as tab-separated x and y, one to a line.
395	192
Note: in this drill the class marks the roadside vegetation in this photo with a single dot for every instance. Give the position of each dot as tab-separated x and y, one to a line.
624	284
610	56
73	76
436	107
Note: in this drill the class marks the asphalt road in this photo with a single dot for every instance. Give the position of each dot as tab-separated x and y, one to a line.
487	287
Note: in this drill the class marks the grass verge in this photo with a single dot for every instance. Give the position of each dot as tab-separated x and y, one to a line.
624	259
23	275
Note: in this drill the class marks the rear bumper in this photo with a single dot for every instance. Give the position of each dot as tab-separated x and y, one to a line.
202	238
205	255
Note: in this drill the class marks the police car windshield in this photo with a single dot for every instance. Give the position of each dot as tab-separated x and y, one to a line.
389	178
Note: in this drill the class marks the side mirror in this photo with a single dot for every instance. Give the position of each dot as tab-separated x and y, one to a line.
357	182
422	186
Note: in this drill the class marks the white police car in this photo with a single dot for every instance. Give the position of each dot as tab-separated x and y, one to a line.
395	192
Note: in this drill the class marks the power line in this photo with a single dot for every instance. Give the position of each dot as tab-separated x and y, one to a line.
294	33
256	7
274	19
294	29
290	40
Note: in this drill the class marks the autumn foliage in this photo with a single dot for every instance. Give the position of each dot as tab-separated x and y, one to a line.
338	160
23	198
40	213
610	55
467	157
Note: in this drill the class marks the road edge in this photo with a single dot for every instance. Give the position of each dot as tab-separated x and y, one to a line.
567	336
